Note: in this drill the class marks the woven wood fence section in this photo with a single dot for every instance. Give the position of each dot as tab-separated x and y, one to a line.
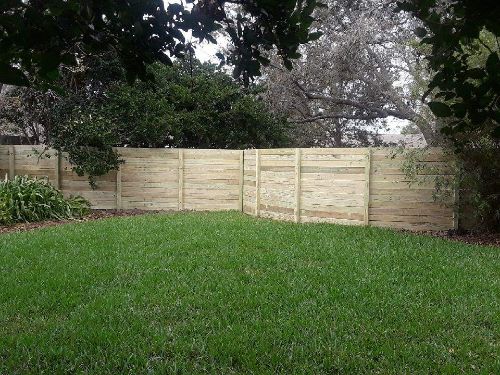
358	186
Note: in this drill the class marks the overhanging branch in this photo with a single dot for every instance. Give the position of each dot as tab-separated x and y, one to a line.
371	112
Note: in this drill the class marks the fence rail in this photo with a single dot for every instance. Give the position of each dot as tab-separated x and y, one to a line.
358	186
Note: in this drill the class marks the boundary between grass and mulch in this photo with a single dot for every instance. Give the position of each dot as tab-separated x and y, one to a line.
485	239
93	216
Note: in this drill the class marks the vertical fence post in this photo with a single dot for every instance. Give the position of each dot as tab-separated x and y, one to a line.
12	162
368	168
119	188
181	179
257	183
242	178
57	171
297	184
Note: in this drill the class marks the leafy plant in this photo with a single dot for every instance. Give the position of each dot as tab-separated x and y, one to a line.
189	105
186	105
479	178
26	199
474	175
418	172
37	37
466	94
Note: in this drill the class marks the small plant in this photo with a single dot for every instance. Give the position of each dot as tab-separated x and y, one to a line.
26	199
418	172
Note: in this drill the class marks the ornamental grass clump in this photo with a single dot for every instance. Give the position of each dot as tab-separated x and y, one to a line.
26	199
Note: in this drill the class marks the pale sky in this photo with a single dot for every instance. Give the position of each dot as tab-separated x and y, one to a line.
205	52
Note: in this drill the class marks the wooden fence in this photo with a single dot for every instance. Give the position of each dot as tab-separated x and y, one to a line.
350	186
358	186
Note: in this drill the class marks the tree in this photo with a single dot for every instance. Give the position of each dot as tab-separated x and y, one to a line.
467	96
25	112
185	105
30	111
461	41
37	37
190	105
364	70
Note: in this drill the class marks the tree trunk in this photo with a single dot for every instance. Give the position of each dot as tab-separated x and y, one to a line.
337	134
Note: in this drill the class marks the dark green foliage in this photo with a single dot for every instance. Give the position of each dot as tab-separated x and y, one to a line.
87	139
36	37
24	199
260	26
479	178
464	36
453	29
185	105
224	293
191	106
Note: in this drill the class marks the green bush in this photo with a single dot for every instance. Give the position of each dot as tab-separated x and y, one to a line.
185	105
26	199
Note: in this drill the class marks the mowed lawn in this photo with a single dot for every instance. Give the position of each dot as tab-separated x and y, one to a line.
224	293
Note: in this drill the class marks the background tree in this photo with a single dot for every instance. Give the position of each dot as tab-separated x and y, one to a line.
31	111
25	112
466	94
364	70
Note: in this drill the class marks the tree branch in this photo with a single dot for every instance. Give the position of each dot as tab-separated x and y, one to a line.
374	112
336	116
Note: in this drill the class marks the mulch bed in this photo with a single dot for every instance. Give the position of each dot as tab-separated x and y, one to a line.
94	215
474	238
491	239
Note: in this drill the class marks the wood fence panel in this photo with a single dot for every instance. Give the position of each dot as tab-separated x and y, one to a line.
35	161
349	186
241	179
212	180
249	182
333	185
149	178
395	204
103	197
4	162
277	184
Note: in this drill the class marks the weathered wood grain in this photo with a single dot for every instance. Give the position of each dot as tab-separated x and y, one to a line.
348	186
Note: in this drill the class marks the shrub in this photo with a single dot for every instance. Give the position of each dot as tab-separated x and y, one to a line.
476	171
185	105
479	177
26	199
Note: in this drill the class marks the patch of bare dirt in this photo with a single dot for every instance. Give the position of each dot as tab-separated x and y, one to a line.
94	215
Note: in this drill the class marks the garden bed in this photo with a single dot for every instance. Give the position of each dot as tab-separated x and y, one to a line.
94	215
470	237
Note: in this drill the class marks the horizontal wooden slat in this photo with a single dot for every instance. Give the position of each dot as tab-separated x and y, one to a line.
333	187
332	181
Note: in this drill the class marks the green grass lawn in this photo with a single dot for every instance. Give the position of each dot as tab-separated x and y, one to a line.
224	293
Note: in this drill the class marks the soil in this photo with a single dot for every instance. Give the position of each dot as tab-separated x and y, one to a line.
94	215
491	239
474	238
